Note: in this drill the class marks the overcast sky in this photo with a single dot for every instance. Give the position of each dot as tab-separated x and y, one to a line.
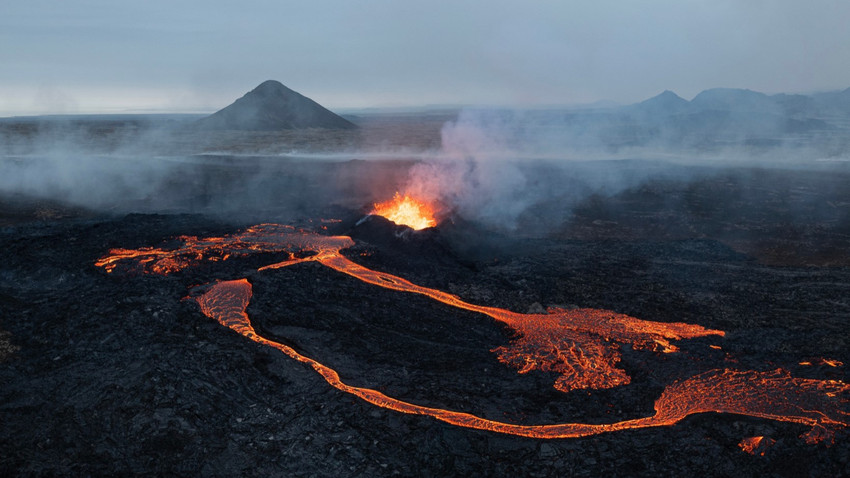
198	56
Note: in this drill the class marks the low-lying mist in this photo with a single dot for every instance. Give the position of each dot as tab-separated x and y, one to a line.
529	169
506	170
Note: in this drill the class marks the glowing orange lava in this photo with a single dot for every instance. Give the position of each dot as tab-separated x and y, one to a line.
581	345
192	250
756	445
407	211
823	361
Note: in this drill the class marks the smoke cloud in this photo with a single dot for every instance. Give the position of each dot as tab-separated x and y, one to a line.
507	169
504	169
527	168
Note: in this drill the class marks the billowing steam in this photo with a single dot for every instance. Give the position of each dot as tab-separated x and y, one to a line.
528	168
100	165
507	169
474	174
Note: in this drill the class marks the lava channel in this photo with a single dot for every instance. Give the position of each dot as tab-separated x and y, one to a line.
581	345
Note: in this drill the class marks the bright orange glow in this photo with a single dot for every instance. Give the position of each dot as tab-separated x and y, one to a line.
581	345
407	211
192	250
823	361
756	445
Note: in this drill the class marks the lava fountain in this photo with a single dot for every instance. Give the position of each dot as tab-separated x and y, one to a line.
582	346
407	211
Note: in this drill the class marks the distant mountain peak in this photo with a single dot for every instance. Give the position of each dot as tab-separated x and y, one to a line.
665	102
271	106
271	87
668	93
667	96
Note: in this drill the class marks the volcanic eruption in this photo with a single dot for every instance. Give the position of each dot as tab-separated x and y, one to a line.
405	210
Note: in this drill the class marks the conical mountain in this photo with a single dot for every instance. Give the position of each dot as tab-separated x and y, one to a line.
271	107
666	103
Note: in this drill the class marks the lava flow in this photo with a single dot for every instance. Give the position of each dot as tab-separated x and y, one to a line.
581	345
407	211
756	445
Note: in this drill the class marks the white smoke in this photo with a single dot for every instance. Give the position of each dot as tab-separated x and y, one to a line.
521	168
475	174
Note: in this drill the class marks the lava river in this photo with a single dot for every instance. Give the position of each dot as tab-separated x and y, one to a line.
580	345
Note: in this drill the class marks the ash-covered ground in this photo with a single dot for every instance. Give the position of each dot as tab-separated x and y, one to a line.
114	374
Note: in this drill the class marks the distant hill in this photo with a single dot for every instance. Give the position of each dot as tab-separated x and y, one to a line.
271	107
835	102
713	120
743	101
731	99
665	103
730	116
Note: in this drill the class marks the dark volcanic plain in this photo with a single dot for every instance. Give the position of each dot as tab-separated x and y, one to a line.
113	374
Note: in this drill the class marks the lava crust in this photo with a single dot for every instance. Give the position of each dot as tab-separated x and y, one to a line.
111	373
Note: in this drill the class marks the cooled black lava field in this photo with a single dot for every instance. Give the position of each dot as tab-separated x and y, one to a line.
113	374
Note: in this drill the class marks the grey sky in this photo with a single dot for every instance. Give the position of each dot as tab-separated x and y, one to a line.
188	56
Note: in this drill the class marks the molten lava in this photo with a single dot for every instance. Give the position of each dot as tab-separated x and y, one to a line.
823	361
756	445
581	345
407	211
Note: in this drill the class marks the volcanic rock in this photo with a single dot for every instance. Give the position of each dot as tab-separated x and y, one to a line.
113	374
271	107
423	247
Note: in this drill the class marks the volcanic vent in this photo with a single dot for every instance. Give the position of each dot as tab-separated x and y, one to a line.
405	210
